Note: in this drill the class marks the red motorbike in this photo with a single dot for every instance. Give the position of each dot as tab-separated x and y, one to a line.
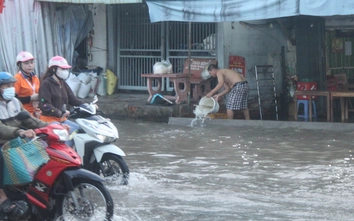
61	189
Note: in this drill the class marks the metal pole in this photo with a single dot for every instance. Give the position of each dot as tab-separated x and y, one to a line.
189	60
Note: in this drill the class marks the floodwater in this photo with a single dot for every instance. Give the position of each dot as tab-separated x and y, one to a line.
234	173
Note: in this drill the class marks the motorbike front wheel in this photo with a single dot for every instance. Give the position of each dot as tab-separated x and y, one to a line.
89	200
113	167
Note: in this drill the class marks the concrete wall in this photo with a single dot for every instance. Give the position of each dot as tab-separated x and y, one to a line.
260	43
99	41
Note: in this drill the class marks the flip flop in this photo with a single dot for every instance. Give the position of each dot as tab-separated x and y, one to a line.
14	208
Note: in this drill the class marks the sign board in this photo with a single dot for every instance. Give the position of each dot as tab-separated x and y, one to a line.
198	65
237	63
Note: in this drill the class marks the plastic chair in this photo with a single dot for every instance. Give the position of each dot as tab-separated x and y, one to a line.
305	104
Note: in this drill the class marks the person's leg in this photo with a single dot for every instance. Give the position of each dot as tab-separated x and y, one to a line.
73	127
16	208
246	113
3	196
231	103
230	114
244	90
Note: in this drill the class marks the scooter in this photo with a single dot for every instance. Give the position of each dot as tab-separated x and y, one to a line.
61	189
94	143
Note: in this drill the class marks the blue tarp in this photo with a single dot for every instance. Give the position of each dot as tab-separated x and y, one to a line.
243	10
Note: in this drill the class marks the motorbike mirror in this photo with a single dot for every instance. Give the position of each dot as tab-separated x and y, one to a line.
23	115
95	99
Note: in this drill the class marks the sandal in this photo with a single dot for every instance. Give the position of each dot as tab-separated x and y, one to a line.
14	208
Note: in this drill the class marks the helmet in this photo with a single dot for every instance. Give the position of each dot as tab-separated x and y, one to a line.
6	78
24	56
58	61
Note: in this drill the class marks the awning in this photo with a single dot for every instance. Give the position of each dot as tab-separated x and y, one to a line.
242	10
94	1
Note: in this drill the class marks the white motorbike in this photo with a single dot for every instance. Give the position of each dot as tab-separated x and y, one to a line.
94	143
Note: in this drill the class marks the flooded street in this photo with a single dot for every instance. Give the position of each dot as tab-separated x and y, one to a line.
234	173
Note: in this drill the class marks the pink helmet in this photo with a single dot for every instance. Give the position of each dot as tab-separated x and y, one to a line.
24	56
58	61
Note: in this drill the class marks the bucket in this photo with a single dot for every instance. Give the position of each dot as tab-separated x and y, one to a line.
209	105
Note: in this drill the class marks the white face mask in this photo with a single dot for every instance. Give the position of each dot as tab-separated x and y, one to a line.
8	93
63	74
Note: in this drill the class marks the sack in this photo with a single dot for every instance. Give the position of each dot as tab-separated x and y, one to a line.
84	90
94	85
74	83
164	67
22	158
101	88
112	81
84	77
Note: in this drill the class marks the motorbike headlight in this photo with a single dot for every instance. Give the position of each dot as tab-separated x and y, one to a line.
105	139
62	134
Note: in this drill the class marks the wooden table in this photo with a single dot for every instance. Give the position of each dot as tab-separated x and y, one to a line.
181	94
309	94
343	103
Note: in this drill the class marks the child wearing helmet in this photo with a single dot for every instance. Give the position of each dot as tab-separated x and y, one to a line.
27	84
55	92
10	128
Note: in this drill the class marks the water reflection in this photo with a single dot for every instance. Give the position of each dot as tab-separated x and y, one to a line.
234	173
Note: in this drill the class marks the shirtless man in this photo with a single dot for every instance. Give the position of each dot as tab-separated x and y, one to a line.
234	83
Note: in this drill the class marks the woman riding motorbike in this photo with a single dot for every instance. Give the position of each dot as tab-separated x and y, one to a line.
27	84
55	92
10	128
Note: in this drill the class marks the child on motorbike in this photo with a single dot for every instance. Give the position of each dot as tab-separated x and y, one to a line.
55	92
27	84
10	128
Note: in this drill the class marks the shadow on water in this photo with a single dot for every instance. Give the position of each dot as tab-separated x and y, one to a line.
234	173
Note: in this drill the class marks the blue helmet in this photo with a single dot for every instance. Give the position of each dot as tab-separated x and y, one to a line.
6	78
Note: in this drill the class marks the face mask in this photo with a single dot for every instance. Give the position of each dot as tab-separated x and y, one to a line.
63	74
8	93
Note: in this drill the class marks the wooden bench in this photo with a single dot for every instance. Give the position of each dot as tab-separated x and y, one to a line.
181	94
199	86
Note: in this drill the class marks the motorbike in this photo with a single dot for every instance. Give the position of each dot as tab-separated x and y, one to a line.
94	143
61	189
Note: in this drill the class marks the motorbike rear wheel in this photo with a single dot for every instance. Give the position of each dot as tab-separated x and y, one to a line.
114	167
94	200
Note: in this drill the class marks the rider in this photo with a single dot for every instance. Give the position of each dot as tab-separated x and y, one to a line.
10	128
55	92
27	84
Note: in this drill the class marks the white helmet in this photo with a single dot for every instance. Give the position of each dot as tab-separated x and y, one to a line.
58	61
24	56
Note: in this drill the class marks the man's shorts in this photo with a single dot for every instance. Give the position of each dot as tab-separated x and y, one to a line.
238	96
